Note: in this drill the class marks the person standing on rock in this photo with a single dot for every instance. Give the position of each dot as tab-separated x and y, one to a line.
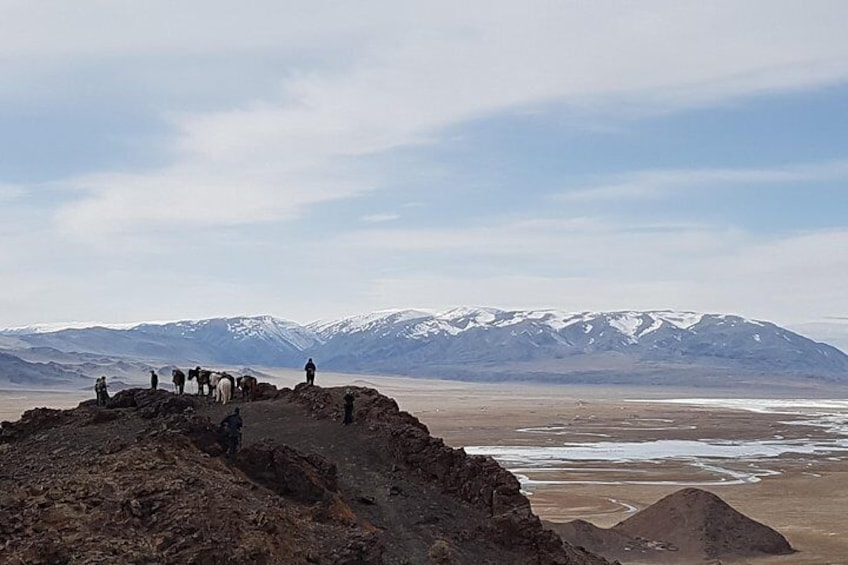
154	380
231	429
348	406
310	371
100	391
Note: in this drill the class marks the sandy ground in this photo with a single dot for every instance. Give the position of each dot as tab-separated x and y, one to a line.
804	496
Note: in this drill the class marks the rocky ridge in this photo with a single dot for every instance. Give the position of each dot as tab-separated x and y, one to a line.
144	481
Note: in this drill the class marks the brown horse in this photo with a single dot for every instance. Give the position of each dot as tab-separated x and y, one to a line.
179	379
248	385
203	377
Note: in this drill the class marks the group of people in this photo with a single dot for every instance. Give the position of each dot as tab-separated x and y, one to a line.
231	426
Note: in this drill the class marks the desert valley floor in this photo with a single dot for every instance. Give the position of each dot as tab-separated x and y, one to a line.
602	453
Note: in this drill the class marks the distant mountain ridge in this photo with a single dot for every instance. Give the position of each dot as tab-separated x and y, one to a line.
474	343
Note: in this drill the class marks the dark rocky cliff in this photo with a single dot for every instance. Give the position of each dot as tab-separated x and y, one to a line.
145	481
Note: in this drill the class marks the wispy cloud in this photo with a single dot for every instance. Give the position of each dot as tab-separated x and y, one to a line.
10	192
380	218
640	185
266	158
789	279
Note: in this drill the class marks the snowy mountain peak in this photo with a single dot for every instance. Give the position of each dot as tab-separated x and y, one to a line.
467	341
241	328
365	322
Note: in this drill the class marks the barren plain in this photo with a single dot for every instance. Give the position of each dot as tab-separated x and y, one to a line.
603	453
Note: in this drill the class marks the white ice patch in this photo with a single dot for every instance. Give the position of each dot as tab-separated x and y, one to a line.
537	456
568	430
763	405
531	464
709	455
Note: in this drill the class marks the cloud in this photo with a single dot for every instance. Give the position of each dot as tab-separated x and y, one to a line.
197	196
9	192
293	105
652	184
405	75
573	243
787	280
380	218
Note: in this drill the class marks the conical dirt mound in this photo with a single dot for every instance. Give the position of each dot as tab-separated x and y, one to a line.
700	523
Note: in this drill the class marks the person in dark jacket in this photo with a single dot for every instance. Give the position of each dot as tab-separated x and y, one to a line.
101	392
231	432
154	380
348	407
310	371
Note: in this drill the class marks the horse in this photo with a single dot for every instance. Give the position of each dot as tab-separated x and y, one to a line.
248	385
214	379
223	390
203	377
229	377
179	379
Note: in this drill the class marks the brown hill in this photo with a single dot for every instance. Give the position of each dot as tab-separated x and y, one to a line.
686	526
144	481
699	522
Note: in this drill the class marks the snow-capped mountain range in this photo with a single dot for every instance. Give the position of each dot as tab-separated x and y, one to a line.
474	343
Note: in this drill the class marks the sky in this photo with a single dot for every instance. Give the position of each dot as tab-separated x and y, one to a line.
313	160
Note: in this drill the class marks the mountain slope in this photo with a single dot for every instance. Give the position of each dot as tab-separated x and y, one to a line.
260	340
15	371
480	344
547	341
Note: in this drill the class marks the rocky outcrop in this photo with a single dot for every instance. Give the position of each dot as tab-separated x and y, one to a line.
478	480
309	478
151	403
145	481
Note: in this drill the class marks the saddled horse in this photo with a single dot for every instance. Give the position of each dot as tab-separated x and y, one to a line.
203	377
179	379
215	382
248	385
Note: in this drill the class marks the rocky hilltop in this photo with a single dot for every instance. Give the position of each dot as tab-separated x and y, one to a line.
144	480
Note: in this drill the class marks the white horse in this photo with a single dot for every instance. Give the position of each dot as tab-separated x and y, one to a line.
223	391
214	379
